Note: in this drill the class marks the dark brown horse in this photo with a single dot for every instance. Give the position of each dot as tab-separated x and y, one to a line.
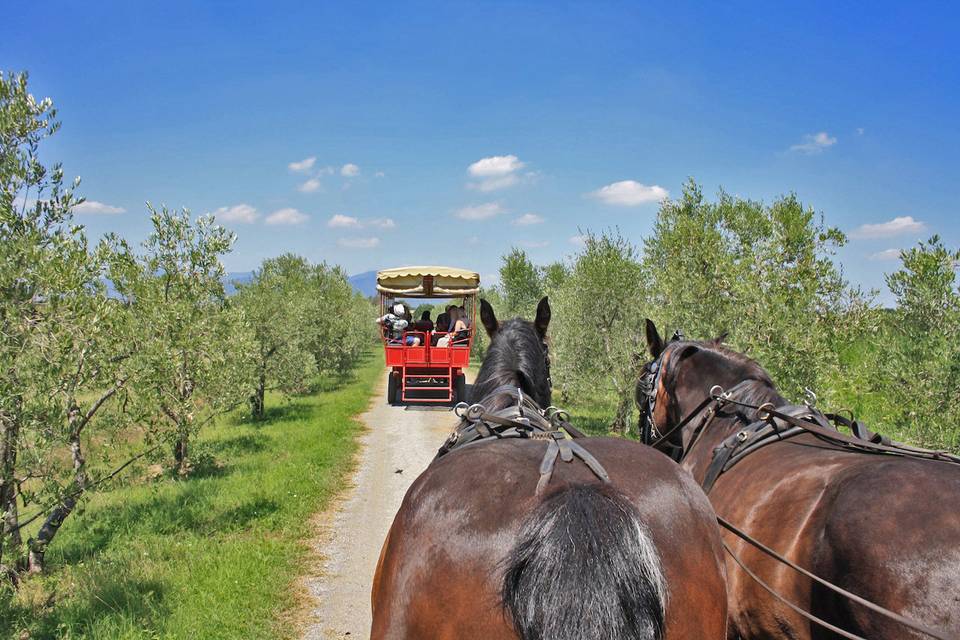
885	527
476	552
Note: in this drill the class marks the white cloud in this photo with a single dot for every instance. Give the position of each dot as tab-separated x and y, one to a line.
340	221
578	240
898	226
480	211
287	216
382	223
92	206
303	165
535	244
496	172
492	184
243	213
349	170
495	166
359	243
629	193
379	174
814	143
528	219
887	254
310	186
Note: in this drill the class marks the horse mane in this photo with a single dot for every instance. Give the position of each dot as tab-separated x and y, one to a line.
761	388
515	357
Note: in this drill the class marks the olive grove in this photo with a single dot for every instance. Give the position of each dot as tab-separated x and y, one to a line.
112	353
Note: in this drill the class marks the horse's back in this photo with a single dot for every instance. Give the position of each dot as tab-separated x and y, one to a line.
442	569
886	528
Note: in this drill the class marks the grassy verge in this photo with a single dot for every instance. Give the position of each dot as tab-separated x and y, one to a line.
213	556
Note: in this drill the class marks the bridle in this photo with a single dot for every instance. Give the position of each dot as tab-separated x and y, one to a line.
649	385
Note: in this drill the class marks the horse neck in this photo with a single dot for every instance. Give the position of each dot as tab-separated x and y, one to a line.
757	390
504	366
489	381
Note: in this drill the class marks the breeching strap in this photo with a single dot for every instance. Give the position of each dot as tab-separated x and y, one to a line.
916	626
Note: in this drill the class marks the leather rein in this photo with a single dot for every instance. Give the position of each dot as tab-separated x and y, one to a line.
775	424
523	418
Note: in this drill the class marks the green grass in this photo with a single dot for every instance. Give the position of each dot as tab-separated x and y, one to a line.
213	556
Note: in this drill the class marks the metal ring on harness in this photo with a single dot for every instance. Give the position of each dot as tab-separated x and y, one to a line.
474	413
717	393
460	408
763	411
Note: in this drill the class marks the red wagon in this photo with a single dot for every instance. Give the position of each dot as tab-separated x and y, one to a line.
427	366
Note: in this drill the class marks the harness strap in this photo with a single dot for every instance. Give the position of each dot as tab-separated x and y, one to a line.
915	626
566	450
809	616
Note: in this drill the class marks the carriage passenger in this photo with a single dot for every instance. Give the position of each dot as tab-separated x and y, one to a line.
396	321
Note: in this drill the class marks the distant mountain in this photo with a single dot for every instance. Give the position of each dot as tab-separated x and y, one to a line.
365	283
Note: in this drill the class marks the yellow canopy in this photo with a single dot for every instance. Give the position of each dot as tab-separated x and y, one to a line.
427	282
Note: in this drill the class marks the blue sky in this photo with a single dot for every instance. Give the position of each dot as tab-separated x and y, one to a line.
587	113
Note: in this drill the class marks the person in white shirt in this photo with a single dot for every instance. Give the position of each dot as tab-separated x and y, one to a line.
395	322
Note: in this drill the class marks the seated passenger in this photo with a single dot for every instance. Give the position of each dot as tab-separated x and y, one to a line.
461	327
443	322
459	332
396	322
424	323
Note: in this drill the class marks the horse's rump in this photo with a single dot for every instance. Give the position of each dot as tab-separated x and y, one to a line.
473	549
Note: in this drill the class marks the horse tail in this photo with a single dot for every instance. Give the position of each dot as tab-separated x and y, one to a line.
585	568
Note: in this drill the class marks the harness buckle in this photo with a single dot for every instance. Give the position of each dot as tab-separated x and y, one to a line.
742	436
460	408
810	398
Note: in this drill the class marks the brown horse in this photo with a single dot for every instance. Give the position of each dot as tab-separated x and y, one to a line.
477	552
882	526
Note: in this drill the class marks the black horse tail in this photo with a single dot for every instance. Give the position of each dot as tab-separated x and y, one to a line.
585	568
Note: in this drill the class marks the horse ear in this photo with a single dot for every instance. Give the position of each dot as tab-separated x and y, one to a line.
654	341
488	318
543	317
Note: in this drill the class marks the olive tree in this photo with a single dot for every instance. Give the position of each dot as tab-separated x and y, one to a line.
596	331
763	273
521	284
278	303
193	360
921	367
62	356
342	317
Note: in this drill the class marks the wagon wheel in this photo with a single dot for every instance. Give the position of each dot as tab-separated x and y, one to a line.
393	388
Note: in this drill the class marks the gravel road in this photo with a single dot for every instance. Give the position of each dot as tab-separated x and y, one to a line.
399	444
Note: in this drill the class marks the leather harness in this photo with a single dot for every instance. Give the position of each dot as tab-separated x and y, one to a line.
776	424
522	419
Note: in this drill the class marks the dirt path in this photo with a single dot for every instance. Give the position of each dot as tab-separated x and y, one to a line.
398	445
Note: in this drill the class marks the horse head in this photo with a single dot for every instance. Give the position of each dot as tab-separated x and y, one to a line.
681	375
517	356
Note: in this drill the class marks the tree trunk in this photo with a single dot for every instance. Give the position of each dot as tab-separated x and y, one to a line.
621	421
9	437
256	400
180	459
38	546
